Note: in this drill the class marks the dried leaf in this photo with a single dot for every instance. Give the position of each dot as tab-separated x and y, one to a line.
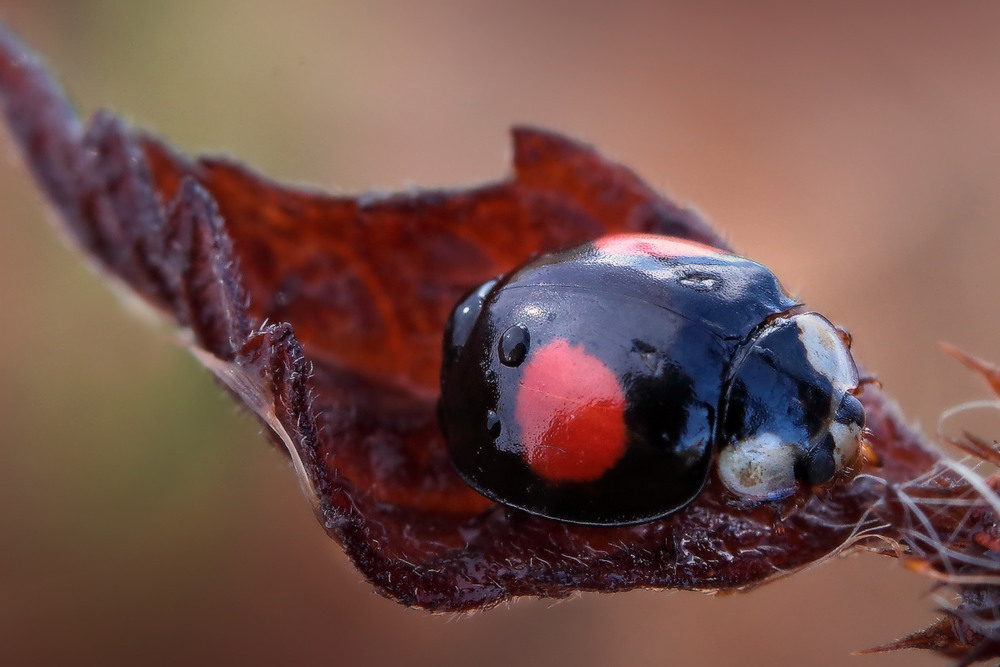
323	315
990	373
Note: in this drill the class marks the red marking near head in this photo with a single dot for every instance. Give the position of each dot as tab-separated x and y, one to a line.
570	410
651	244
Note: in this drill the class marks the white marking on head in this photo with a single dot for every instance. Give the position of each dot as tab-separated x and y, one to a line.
846	443
826	352
759	468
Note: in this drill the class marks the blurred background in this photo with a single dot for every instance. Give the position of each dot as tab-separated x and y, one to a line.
852	147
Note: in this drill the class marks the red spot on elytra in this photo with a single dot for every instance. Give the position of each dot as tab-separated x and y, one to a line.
651	244
570	410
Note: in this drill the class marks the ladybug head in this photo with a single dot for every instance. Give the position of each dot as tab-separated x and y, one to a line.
790	416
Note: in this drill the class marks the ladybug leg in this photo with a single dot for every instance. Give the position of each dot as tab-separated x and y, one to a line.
848	339
987	541
867	454
865	380
845	336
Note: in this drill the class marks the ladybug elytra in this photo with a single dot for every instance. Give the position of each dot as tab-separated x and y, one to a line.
599	385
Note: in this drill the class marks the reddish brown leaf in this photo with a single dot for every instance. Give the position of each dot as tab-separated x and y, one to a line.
323	315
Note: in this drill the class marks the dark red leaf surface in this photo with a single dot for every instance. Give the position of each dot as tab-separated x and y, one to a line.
323	315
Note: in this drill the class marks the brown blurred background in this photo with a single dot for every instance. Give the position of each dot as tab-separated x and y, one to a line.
854	148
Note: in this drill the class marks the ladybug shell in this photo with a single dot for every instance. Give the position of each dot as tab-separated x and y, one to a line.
586	385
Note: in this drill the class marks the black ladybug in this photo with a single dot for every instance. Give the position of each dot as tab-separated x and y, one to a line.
597	385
